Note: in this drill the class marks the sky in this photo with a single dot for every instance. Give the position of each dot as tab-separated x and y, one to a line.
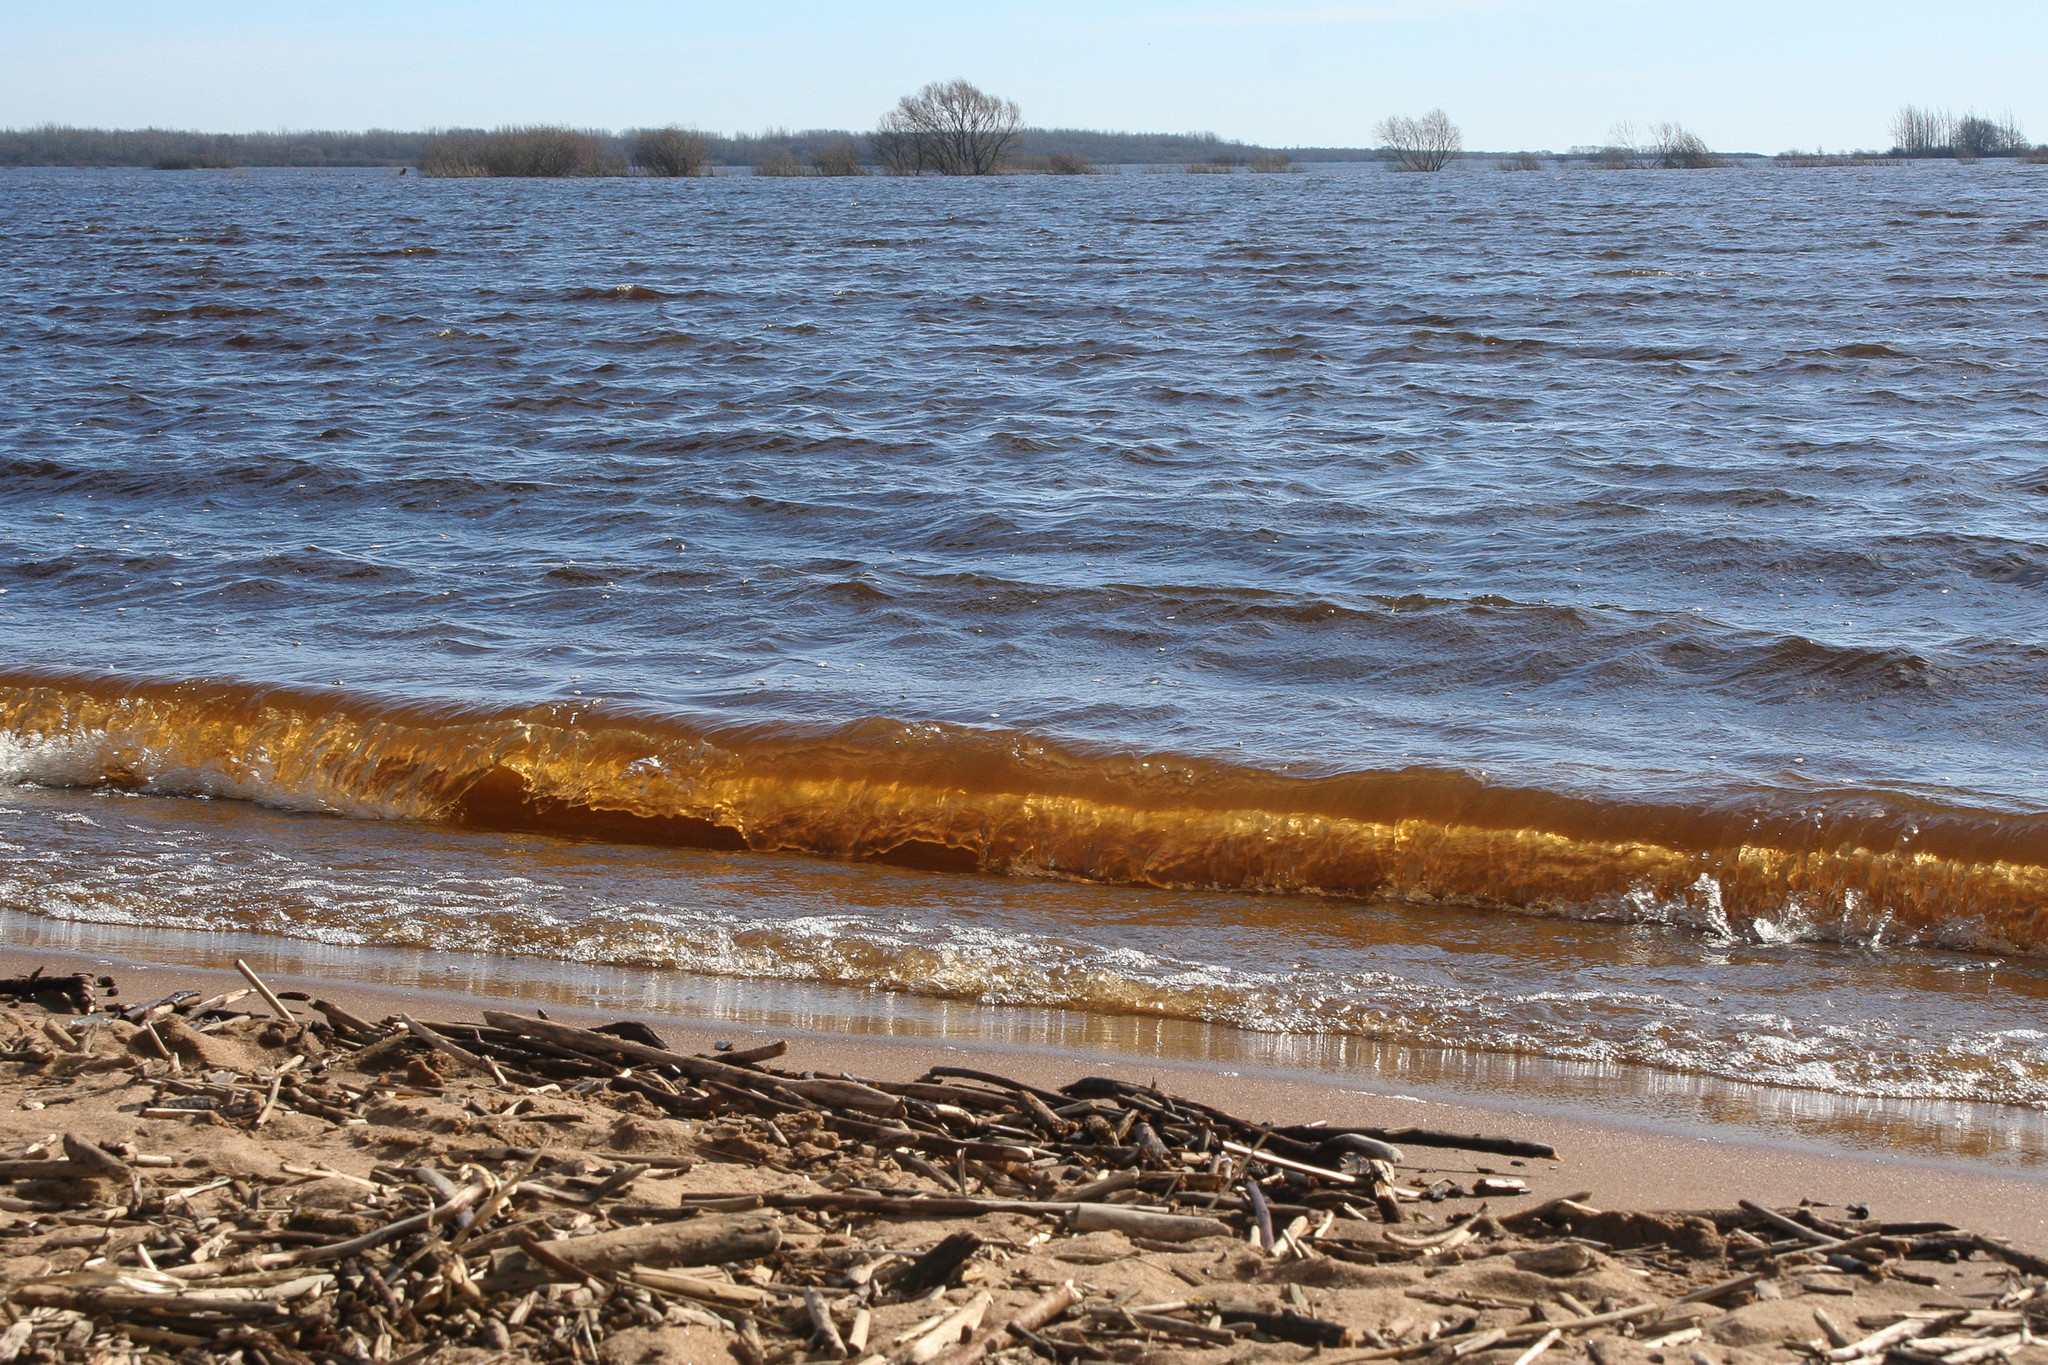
1747	75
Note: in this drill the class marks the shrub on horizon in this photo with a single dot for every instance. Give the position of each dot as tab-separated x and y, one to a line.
670	153
1424	144
1270	163
540	152
840	158
1678	150
777	161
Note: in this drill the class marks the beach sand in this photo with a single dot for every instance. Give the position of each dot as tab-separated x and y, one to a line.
161	1205
1624	1167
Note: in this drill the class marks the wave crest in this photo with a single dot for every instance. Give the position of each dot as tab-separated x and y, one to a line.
1855	866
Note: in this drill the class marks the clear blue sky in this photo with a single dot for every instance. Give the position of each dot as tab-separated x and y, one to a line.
1746	74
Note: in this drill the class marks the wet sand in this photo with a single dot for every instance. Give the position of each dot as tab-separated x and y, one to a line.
1623	1167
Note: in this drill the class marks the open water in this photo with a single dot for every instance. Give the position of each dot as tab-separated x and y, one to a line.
1586	616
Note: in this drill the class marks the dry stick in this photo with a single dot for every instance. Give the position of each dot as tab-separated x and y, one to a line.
464	1197
440	1044
821	1319
567	1271
2021	1261
747	1056
270	1101
156	1041
717	1293
1260	1211
1159	1322
269	997
1784	1224
1831	1246
1336	1177
593	1044
939	1206
1543	1343
1513	1336
496	1200
1051	1097
93	1156
1715	1291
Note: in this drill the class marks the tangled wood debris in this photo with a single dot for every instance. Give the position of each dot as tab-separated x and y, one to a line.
268	1179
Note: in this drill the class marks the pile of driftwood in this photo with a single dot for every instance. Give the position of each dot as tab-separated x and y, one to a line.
465	1251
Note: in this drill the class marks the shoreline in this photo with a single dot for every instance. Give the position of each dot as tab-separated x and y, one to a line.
306	1185
1972	1136
1630	1167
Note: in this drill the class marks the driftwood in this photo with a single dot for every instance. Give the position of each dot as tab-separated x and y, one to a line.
1020	1326
532	1251
937	1266
73	994
699	1241
1428	1137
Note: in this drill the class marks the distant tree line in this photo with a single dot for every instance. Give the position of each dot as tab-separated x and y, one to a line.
1918	132
812	151
56	145
948	128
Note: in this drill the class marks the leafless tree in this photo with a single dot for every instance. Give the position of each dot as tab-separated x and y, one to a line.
1421	144
840	158
1923	132
670	151
1675	149
1938	132
950	127
1624	150
900	151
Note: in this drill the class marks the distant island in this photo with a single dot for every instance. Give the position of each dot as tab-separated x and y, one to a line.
947	128
54	145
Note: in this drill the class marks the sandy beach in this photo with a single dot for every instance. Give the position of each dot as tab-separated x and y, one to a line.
333	1180
1625	1167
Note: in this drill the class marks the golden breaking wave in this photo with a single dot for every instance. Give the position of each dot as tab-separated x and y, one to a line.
1854	865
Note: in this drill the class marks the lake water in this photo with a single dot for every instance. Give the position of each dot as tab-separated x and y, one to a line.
1591	618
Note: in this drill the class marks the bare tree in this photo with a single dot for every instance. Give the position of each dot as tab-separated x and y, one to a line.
1678	150
1424	144
1923	132
670	151
1624	150
950	127
901	151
